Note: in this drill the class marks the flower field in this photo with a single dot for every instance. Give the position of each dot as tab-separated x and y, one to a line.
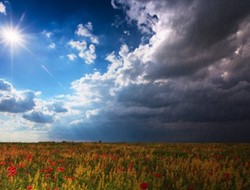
94	166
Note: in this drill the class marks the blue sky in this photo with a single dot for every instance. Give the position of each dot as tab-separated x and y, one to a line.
124	70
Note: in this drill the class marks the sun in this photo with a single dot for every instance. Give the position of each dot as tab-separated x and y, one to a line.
11	36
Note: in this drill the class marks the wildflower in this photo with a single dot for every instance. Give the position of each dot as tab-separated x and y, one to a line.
21	165
2	163
49	169
29	157
61	169
47	175
130	165
144	185
157	175
12	171
29	187
227	176
53	163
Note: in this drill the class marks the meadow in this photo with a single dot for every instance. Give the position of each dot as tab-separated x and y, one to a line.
124	166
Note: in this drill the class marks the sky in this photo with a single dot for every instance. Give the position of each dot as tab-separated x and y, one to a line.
125	70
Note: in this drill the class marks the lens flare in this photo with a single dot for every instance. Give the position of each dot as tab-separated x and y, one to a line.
11	36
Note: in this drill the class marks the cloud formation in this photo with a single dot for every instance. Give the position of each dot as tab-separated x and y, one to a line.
192	71
85	51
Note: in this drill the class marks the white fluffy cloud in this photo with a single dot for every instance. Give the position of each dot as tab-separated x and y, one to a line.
88	54
85	31
79	45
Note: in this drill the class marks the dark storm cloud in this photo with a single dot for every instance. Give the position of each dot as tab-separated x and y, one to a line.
216	20
205	31
38	117
193	102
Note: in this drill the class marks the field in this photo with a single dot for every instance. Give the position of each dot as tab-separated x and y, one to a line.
94	166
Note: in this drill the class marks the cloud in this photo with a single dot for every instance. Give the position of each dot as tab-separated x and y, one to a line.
88	54
5	86
80	46
85	51
85	31
58	107
14	101
72	56
113	4
2	8
38	117
52	46
47	34
90	113
192	73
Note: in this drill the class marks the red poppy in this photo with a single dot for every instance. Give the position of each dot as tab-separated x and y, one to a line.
144	185
29	156
61	169
227	176
29	187
53	163
49	169
21	165
12	171
2	163
158	175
